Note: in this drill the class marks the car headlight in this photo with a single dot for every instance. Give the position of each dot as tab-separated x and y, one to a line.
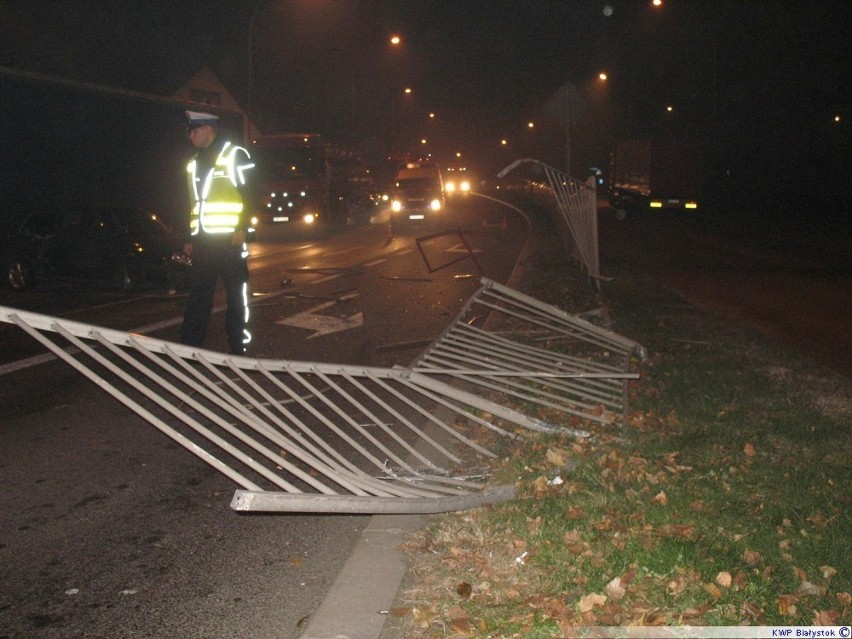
435	204
450	187
179	258
396	205
464	186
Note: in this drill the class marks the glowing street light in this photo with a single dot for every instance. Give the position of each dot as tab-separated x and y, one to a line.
395	40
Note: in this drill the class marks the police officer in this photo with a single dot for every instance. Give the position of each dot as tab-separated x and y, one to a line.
217	233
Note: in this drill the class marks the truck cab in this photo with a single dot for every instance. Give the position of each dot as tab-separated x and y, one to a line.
292	179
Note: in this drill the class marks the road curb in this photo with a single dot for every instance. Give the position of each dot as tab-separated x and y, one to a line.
358	601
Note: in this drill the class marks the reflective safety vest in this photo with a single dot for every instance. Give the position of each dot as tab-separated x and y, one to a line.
217	203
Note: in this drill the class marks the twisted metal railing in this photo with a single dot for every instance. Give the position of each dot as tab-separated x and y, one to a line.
311	437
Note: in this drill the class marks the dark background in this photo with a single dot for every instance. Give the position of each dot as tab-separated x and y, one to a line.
760	82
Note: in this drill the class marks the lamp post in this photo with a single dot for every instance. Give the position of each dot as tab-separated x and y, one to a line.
571	96
250	110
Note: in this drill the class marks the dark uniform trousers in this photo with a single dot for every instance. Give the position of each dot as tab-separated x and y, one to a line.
214	257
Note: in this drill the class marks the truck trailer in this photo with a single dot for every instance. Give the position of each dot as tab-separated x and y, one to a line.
655	173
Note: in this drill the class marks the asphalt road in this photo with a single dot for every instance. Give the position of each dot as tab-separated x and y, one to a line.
112	530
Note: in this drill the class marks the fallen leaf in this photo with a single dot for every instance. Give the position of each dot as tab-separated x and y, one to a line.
827	572
807	588
817	520
724	579
556	457
399	612
748	449
457	612
540	485
787	605
677	586
695	613
573	543
678	531
826	617
460	625
714	591
615	589
464	590
587	602
751	557
424	617
660	498
534	525
556	609
575	513
754	613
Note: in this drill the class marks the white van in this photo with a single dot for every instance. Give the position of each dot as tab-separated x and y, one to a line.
418	191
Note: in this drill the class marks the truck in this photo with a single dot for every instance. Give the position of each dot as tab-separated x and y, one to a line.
655	173
291	179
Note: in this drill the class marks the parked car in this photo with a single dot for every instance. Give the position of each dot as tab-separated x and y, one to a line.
121	247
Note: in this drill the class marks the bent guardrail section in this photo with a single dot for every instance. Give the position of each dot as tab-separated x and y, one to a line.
312	437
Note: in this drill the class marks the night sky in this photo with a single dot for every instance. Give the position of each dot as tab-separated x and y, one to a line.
760	81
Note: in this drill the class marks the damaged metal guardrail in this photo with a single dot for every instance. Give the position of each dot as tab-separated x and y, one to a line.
311	437
576	202
534	353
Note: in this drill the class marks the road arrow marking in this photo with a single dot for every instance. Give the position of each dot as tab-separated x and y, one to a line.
461	248
323	324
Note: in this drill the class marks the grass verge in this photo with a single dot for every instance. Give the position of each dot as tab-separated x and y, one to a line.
725	502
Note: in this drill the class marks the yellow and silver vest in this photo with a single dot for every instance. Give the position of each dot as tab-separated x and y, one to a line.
217	203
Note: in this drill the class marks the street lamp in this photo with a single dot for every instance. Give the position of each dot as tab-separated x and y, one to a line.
570	94
250	109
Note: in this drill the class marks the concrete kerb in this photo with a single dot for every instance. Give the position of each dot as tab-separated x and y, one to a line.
359	601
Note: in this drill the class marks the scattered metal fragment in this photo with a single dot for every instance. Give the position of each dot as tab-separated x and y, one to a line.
397	278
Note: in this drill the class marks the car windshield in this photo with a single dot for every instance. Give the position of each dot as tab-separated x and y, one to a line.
417	183
276	164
